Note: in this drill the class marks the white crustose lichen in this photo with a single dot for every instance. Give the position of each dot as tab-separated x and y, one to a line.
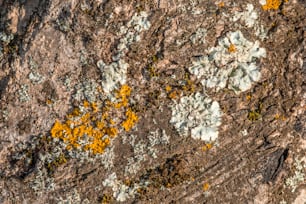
249	16
198	114
298	177
23	93
121	192
231	64
114	74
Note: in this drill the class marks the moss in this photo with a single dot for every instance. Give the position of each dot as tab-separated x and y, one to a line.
152	71
61	159
254	115
106	198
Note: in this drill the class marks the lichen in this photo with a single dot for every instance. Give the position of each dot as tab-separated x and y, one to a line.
198	36
271	4
23	93
205	187
91	126
121	192
231	64
114	74
34	76
131	119
298	177
199	114
248	16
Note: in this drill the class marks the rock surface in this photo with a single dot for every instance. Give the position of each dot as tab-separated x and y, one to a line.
107	101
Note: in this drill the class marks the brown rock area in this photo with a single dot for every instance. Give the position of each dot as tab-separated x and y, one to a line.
89	90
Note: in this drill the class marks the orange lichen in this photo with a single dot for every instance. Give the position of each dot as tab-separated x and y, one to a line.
205	186
111	131
174	94
94	124
248	97
98	145
131	119
71	135
232	48
49	102
74	113
94	107
86	104
272	4
168	88
207	147
123	95
276	116
221	4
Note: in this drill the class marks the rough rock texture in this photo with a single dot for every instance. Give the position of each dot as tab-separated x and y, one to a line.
88	89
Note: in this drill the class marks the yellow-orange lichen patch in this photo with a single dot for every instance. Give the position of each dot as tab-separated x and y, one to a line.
76	112
91	127
207	147
272	4
122	95
221	4
86	104
98	145
205	186
131	119
94	107
232	48
168	88
174	94
49	102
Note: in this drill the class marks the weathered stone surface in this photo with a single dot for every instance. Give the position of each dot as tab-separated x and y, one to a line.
107	101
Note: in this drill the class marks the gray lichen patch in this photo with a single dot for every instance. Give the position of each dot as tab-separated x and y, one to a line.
198	36
34	76
231	64
85	50
23	93
197	115
86	90
114	74
299	175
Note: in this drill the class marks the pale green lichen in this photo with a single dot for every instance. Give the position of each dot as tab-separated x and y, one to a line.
114	74
121	192
248	16
198	114
231	64
23	93
72	196
34	76
298	177
5	38
198	36
143	150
